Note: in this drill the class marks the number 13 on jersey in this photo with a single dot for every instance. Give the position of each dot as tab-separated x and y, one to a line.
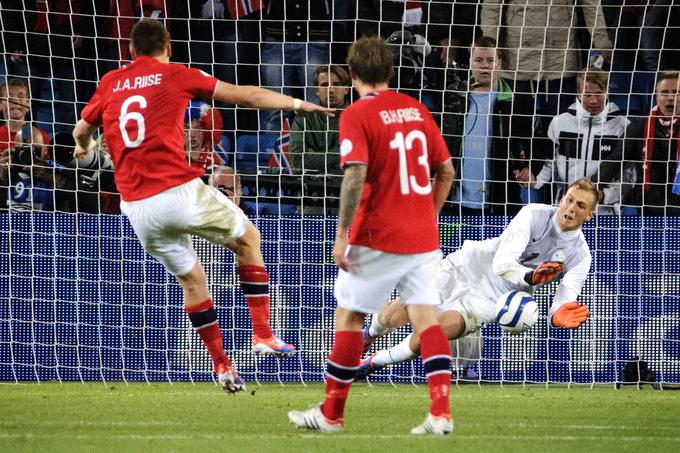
403	145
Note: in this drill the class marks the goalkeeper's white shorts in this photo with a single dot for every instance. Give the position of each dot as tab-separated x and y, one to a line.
374	274
165	222
458	292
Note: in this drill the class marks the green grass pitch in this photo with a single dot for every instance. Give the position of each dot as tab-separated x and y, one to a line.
163	417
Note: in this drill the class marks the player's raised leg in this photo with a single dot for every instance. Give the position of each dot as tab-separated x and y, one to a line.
255	286
340	370
436	354
199	306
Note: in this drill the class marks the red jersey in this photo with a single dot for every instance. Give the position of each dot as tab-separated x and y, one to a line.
141	106
398	140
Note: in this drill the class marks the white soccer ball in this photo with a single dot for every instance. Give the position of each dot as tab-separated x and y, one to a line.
516	312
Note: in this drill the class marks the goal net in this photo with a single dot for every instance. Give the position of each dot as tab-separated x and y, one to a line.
81	301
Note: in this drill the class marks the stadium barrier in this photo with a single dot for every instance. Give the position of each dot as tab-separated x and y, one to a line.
80	300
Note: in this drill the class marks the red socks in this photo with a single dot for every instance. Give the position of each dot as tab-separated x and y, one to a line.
436	353
255	287
340	371
204	320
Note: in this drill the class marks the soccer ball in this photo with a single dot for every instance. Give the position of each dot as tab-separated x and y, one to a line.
516	312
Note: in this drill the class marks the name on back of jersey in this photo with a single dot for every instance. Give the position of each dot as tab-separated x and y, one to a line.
138	82
400	116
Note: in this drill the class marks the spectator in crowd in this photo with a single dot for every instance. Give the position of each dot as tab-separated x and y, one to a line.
203	136
582	139
314	139
427	37
452	28
15	16
48	39
296	36
638	30
444	22
84	185
28	175
488	131
655	140
544	50
228	182
383	18
15	106
215	35
23	152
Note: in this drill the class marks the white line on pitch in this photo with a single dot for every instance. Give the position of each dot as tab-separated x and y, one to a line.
145	437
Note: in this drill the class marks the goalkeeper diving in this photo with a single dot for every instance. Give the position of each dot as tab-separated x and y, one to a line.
541	244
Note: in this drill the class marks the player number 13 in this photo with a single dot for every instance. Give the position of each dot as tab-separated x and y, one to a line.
408	182
126	116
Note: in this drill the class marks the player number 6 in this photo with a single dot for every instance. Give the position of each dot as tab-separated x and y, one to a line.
126	116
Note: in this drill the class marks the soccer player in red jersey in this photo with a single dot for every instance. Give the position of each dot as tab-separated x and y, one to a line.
390	147
141	107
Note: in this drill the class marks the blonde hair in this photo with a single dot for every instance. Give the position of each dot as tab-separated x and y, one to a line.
4	88
595	76
589	186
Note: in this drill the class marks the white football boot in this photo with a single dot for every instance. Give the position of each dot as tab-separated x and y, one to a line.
434	425
315	420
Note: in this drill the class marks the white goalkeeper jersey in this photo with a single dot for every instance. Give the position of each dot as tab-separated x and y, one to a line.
499	264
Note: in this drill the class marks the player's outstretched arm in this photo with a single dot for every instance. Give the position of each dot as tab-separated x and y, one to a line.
441	186
82	134
261	98
570	315
544	273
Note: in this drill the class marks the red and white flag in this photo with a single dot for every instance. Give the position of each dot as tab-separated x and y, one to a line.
279	156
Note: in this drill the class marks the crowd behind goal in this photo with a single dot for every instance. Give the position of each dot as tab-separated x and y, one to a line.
586	91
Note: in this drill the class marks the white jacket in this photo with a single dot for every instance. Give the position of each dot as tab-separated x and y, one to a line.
581	141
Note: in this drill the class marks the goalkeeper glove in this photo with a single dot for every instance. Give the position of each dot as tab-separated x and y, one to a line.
570	315
544	273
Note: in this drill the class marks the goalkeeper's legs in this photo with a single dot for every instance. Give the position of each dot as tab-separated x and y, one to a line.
255	286
453	325
389	319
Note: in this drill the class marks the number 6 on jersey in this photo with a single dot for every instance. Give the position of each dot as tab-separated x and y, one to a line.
126	116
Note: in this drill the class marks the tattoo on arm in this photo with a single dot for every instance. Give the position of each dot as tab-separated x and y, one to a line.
350	194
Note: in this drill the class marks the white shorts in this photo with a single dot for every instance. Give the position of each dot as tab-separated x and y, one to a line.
374	274
463	294
164	222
